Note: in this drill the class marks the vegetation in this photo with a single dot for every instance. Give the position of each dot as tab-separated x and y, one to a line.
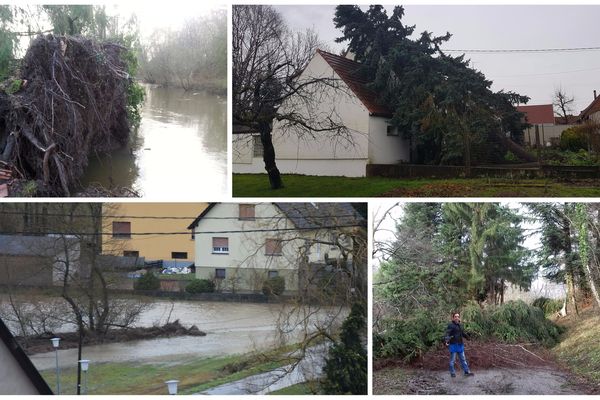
147	281
573	139
200	286
548	306
252	185
274	286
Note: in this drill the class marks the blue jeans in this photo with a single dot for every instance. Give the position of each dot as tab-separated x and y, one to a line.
460	350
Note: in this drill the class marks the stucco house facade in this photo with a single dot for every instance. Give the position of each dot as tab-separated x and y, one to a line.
368	139
18	375
240	245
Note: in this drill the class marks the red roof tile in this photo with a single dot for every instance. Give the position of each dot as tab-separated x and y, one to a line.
539	114
592	108
348	70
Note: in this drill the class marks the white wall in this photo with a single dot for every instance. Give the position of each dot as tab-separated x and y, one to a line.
299	151
13	380
547	132
384	149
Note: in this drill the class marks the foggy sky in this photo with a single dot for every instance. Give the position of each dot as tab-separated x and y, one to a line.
536	75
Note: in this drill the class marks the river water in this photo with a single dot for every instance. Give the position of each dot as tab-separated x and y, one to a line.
179	151
232	328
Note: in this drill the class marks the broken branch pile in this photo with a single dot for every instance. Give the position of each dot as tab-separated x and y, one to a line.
71	103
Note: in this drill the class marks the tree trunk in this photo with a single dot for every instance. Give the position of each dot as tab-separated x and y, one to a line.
265	130
569	270
584	248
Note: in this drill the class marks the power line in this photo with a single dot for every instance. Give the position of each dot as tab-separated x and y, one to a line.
179	233
551	50
171	217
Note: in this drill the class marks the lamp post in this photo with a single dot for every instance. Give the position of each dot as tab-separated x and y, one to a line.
55	343
172	386
85	364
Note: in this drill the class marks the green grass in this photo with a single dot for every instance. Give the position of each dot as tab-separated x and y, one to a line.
257	185
298	389
580	347
194	375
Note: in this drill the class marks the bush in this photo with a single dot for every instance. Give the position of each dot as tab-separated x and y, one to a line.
573	139
274	286
148	281
200	286
548	306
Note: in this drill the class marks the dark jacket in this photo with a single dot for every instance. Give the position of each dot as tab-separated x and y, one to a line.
455	333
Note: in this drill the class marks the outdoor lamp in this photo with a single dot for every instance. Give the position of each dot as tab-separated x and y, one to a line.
55	342
172	385
85	364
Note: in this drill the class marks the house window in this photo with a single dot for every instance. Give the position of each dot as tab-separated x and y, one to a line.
179	255
247	212
273	247
220	273
220	245
121	230
257	146
131	253
392	130
273	274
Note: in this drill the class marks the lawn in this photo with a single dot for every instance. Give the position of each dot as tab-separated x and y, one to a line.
195	375
257	185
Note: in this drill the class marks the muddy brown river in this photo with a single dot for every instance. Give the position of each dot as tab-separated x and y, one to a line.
179	151
232	328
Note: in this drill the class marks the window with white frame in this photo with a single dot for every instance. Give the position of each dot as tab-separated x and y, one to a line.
220	245
273	247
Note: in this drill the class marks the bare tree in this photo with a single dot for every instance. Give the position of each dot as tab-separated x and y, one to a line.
268	63
563	104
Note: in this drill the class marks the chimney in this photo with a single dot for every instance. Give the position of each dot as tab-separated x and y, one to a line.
594	95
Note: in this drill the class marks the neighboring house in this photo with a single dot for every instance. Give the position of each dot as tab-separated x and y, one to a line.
541	116
239	246
591	112
18	375
40	260
370	139
123	219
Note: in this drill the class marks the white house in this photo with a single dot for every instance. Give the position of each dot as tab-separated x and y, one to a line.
18	376
239	246
369	139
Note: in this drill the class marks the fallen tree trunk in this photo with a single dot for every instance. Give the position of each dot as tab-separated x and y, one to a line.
72	103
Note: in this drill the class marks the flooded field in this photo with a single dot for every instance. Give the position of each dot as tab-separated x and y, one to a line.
182	140
232	328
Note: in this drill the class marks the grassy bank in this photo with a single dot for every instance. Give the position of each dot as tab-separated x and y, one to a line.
194	375
257	185
580	345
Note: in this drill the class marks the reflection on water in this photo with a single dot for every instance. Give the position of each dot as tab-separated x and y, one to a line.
179	150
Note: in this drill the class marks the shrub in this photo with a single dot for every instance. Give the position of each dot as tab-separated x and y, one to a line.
274	286
148	281
573	139
548	306
200	286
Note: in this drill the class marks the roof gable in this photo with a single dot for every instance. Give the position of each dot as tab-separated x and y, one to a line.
348	71
592	108
538	114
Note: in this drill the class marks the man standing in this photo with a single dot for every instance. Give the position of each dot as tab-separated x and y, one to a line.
454	341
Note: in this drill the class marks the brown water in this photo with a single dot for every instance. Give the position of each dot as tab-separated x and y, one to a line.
178	152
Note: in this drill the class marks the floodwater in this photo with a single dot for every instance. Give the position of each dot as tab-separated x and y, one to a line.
178	152
232	328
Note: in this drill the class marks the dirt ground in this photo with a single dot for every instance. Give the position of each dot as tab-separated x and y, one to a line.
499	369
538	381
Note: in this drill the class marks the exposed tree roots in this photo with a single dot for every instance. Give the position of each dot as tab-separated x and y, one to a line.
71	104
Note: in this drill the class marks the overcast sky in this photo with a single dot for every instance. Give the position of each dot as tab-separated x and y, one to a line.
503	27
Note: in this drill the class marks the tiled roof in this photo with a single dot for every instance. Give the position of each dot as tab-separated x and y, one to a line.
348	70
538	114
321	215
39	246
592	108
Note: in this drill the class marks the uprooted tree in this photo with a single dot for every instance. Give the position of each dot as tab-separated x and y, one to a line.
69	101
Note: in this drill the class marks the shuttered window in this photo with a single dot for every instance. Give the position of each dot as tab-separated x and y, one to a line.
273	247
121	230
247	211
220	245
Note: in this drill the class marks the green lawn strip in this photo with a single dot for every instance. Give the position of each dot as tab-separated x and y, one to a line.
580	346
298	389
144	378
257	185
176	277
